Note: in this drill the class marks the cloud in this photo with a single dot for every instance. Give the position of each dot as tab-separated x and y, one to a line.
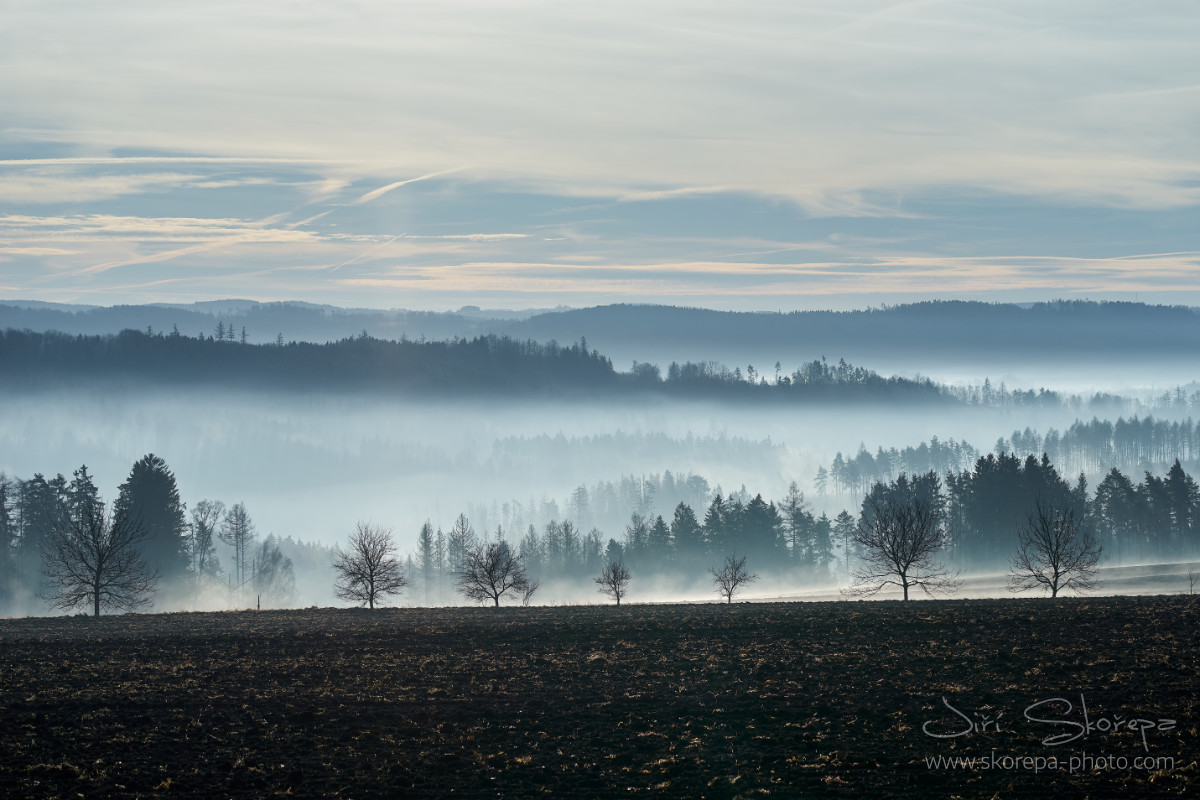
477	237
37	251
382	190
1161	272
822	102
45	188
648	146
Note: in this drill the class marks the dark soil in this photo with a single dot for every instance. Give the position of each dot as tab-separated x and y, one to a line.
781	700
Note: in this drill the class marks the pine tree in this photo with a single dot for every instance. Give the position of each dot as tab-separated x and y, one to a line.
659	541
714	525
82	495
426	559
41	512
459	543
238	532
150	498
687	533
8	537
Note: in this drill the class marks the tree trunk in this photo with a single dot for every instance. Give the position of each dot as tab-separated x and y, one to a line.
497	599
96	604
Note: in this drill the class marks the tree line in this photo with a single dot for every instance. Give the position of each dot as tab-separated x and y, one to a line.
56	534
487	363
1133	444
54	530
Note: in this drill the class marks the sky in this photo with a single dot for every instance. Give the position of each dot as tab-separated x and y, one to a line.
746	155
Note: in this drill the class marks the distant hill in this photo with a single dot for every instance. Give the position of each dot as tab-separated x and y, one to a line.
973	337
935	329
477	368
263	322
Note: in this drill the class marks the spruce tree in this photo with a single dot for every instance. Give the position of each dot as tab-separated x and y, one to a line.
150	498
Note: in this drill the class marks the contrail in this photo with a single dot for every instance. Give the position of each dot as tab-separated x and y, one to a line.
361	256
382	190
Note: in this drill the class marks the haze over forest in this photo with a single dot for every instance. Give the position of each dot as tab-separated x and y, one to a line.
314	418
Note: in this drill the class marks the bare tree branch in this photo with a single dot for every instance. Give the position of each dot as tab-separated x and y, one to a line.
614	580
370	570
730	578
899	538
95	560
1054	552
490	571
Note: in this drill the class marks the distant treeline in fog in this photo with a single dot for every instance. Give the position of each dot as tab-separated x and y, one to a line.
1090	447
484	364
213	555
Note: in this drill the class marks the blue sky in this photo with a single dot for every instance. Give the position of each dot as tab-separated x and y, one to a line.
751	155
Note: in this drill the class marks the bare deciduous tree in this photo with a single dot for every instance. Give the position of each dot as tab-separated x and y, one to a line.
899	537
531	586
1055	552
731	577
369	570
95	559
237	531
490	571
1193	578
614	580
206	517
272	574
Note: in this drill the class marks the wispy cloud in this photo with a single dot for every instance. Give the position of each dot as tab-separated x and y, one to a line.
655	139
382	190
44	188
884	276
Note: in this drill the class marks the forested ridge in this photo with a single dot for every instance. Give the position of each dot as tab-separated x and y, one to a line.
484	364
943	327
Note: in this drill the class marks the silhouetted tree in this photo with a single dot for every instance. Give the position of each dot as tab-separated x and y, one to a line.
492	571
658	540
797	523
1055	552
459	542
238	532
82	493
715	519
206	517
150	496
41	509
731	577
844	526
273	576
8	537
687	533
900	535
368	570
427	559
614	580
94	561
821	552
637	536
